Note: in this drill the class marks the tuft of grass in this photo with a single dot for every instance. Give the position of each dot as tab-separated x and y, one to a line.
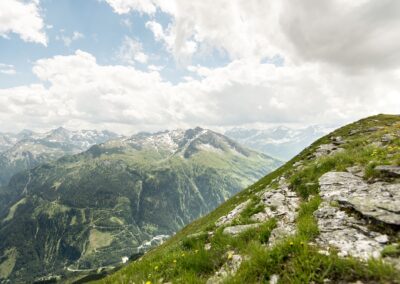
307	226
391	250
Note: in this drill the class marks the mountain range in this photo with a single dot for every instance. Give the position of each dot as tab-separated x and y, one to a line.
281	142
113	201
27	149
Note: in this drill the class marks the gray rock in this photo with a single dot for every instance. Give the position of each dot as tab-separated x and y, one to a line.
282	231
327	149
235	230
387	138
373	129
352	236
229	268
338	140
347	234
356	170
379	201
232	215
354	131
298	164
390	171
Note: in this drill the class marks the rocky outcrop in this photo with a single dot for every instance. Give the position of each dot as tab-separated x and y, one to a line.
379	201
346	233
281	204
351	233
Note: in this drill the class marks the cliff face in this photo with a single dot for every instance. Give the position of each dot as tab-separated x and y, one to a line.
98	208
331	214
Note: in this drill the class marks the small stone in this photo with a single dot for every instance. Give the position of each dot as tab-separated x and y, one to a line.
207	246
383	239
274	279
337	140
373	129
297	164
235	230
387	138
327	149
354	131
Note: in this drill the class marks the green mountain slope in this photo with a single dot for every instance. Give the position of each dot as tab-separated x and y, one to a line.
100	207
330	215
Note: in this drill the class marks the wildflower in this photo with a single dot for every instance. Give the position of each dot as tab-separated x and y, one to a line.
156	267
302	243
230	255
174	261
291	243
182	254
196	251
148	282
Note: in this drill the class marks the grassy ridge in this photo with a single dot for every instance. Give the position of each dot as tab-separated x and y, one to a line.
295	260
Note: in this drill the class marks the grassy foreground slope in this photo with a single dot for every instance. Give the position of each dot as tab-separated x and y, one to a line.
200	251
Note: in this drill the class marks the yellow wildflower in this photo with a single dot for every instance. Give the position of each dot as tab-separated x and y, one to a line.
156	267
174	260
148	282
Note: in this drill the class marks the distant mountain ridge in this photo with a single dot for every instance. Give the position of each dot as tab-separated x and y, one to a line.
281	142
28	149
101	206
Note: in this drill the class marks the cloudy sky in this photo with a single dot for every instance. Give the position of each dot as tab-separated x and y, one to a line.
130	65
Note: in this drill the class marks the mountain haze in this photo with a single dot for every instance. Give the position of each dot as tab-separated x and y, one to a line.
280	142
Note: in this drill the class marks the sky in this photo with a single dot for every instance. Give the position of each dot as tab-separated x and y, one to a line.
148	65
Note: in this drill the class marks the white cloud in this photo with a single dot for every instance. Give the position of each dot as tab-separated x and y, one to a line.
131	50
68	40
182	52
127	23
7	69
355	35
142	6
22	18
125	6
77	92
340	63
